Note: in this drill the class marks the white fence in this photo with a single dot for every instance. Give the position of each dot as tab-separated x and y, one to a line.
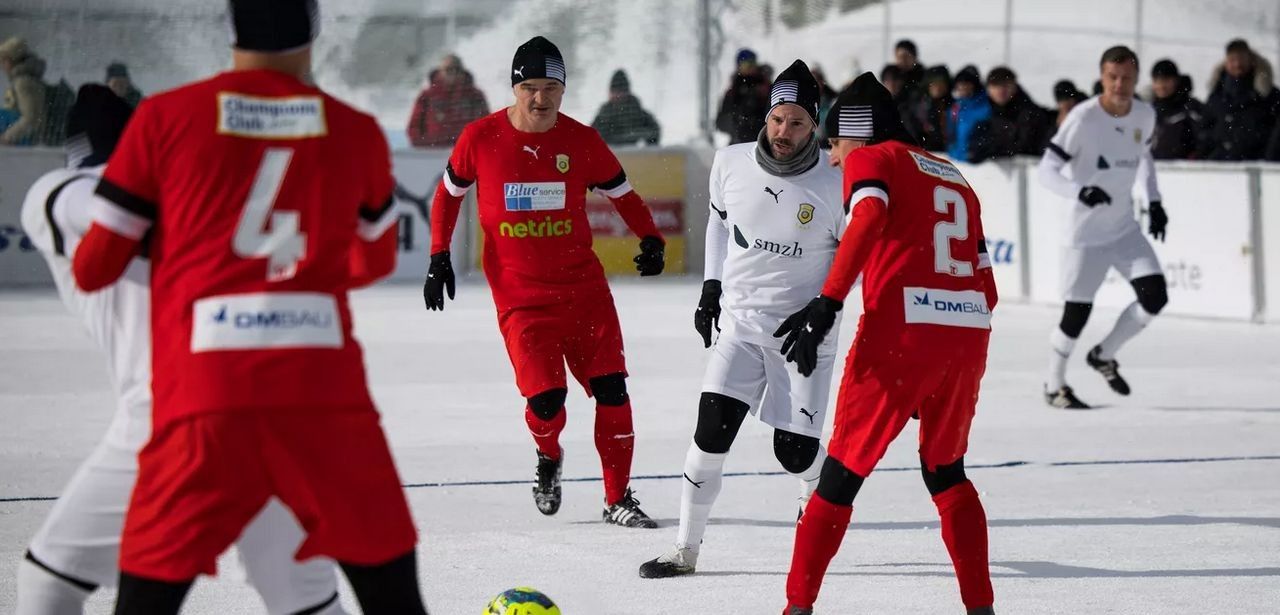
1222	216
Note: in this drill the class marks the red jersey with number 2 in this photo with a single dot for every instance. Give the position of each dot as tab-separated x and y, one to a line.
256	188
927	284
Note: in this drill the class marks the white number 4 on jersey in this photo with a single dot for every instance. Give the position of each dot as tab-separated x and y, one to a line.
283	244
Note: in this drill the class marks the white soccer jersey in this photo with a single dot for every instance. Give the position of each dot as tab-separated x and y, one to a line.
1093	148
771	240
55	215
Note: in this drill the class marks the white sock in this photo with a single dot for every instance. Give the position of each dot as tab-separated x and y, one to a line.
809	477
703	473
1131	322
1060	347
41	593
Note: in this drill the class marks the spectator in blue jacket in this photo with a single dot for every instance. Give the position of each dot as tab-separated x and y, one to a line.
970	109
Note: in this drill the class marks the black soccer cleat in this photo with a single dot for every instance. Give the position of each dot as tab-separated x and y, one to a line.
546	491
984	610
626	512
1065	398
679	562
1109	370
796	610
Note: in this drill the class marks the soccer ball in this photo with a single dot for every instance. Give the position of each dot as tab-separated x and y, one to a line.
521	601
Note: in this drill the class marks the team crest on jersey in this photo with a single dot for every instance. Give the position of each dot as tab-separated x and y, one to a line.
939	169
805	215
562	163
1137	136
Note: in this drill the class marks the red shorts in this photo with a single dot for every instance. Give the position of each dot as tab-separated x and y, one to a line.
202	479
876	401
583	333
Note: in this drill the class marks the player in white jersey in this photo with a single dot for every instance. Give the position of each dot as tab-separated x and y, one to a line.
78	547
1101	151
774	225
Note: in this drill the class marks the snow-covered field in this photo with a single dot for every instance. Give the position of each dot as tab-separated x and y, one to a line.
1167	502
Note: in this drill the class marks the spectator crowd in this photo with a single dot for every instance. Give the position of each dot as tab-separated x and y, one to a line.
966	115
973	118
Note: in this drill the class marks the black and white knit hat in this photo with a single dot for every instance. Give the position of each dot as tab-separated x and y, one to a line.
796	86
538	58
273	26
865	110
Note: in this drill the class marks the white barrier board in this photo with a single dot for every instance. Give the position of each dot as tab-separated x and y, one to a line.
997	188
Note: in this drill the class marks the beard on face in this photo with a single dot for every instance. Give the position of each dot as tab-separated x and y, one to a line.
784	143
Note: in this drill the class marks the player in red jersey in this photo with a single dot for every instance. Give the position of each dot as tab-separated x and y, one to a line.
262	201
915	235
533	167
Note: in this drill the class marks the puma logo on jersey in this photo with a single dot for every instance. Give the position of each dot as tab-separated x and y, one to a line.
519	72
1119	129
533	150
809	414
773	194
695	483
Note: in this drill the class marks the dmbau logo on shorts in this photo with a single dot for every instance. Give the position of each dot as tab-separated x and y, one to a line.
537	196
265	320
954	308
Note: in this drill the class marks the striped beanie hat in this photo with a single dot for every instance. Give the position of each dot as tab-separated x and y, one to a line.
796	86
538	58
865	111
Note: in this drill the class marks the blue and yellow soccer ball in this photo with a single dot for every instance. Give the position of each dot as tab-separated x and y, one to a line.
521	601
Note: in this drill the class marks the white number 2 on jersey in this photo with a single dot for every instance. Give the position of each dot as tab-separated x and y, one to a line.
283	245
946	201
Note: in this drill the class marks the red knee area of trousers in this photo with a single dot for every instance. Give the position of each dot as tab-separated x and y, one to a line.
956	496
541	340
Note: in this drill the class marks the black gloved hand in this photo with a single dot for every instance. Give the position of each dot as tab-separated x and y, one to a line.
805	331
439	278
652	257
708	312
1093	196
1158	220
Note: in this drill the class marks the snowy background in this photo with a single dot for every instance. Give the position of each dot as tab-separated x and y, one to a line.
377	53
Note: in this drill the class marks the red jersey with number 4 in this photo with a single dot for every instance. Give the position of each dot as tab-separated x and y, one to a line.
927	283
255	189
531	195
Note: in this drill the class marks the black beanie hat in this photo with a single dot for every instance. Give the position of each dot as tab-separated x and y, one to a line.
1164	68
619	81
97	117
796	86
865	110
538	58
274	26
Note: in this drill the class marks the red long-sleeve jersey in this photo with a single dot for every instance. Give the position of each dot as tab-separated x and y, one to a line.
531	190
265	200
915	234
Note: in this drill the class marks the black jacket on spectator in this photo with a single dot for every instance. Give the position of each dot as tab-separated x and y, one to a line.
1019	128
933	114
1179	127
622	121
1239	117
743	108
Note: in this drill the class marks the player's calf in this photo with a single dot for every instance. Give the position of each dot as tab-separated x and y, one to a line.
390	588
142	596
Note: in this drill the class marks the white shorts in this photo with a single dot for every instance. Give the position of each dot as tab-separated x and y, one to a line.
81	536
761	377
1084	268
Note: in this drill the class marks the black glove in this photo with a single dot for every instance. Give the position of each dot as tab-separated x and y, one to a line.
1093	196
439	277
1158	220
805	331
652	256
708	312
